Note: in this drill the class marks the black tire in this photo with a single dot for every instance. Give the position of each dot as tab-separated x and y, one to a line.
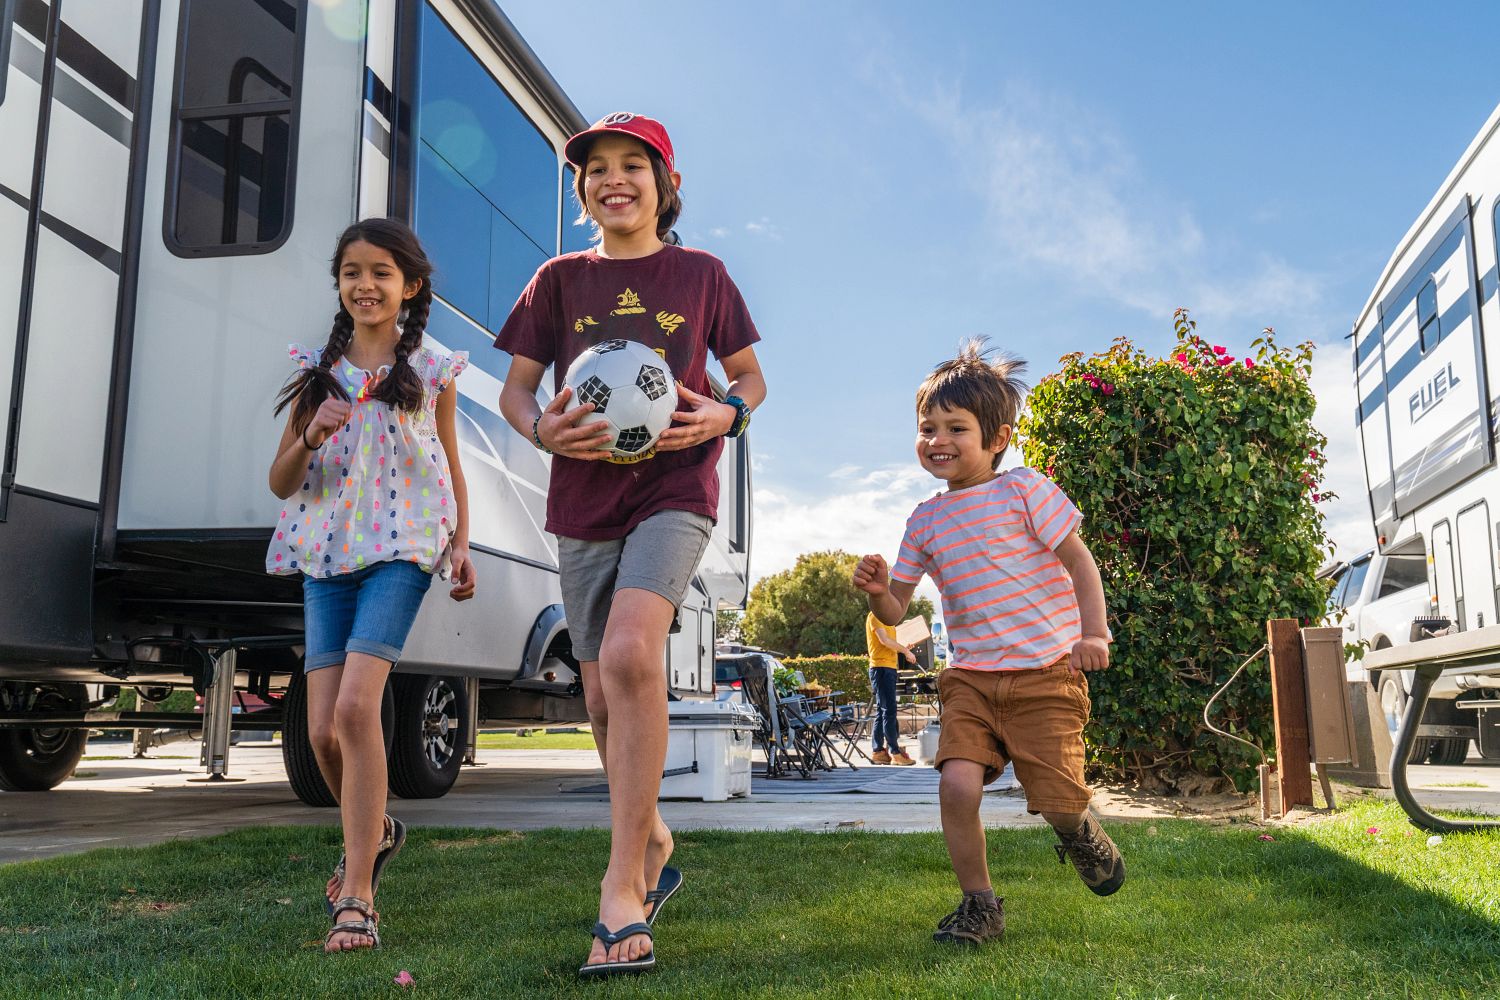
432	720
297	755
1449	750
1393	703
38	760
296	747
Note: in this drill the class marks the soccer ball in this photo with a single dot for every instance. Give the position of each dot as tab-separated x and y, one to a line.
632	390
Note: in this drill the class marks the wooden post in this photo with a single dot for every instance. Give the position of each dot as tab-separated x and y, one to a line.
1289	707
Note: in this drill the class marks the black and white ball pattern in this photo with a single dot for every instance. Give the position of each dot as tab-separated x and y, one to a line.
632	390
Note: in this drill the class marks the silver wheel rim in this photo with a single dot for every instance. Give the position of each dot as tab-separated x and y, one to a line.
440	724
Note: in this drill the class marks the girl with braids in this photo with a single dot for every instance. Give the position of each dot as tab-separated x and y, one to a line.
375	505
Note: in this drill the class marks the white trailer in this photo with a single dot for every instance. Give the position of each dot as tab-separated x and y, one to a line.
1427	368
174	174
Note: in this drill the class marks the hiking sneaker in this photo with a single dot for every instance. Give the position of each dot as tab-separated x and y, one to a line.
974	922
880	757
900	759
1094	855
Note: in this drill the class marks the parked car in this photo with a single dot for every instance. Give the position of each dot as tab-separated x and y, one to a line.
731	663
1375	599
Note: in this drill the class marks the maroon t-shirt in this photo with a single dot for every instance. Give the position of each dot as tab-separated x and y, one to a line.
678	300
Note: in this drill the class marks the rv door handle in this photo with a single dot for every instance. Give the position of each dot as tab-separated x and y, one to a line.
1348	626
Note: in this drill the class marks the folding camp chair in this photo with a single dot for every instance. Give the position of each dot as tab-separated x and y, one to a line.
755	682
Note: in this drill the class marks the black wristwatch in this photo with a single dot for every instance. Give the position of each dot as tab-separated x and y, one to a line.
742	420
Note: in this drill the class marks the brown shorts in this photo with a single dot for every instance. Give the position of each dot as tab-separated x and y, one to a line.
1032	718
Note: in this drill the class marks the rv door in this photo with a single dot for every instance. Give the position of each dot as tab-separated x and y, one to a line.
1476	566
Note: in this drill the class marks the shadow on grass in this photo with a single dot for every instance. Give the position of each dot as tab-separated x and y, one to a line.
1330	910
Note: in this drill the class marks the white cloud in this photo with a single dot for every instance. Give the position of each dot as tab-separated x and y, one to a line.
764	227
866	512
1348	516
718	232
1062	193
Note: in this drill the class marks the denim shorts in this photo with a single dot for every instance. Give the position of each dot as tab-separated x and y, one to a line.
368	611
659	555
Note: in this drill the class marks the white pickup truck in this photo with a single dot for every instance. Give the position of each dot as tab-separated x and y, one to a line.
1375	598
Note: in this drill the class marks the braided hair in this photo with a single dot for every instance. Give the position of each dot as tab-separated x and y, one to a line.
308	387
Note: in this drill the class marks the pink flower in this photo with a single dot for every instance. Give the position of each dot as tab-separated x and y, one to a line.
1312	453
1372	831
1221	362
1218	350
403	978
1317	498
1108	389
1188	369
1049	472
1249	363
1180	358
1265	836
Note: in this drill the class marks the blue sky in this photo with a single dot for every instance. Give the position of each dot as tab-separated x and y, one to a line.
883	179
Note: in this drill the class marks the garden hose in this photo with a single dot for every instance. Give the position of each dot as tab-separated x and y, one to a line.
1214	729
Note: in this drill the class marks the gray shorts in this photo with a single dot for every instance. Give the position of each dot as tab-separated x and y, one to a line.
660	555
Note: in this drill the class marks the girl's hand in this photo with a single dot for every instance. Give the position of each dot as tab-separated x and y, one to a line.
331	415
562	434
462	572
707	418
871	575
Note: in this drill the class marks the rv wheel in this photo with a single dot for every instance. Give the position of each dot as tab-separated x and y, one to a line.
1450	750
35	760
431	731
1393	704
296	746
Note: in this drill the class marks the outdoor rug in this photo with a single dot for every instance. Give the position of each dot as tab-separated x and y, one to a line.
918	781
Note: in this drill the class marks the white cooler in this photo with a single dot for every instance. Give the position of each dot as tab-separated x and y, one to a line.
708	750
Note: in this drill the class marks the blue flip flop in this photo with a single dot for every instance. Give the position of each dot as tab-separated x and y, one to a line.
611	938
666	887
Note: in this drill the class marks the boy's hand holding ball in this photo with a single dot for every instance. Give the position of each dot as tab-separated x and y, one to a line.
560	432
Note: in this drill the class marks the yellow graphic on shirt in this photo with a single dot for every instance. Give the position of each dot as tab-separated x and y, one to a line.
630	303
632	459
661	352
669	322
586	321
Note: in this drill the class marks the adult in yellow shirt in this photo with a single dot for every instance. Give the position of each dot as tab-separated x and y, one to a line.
881	644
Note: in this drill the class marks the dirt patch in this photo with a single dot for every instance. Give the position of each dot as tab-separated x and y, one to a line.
144	907
1123	802
502	837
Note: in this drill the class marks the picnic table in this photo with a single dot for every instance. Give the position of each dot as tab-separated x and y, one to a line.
1474	651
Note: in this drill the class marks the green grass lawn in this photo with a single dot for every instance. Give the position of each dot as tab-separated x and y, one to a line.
1320	911
536	741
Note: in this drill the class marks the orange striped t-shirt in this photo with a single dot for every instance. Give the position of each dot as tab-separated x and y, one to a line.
1008	601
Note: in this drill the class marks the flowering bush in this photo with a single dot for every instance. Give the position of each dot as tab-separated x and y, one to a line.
1197	475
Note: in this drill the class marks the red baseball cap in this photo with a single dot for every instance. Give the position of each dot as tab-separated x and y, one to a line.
650	131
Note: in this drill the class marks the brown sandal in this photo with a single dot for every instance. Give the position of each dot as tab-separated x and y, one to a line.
368	924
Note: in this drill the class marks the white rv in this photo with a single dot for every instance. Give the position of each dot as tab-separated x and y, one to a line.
1427	367
174	175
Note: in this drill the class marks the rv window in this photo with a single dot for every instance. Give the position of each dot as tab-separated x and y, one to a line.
233	126
1403	572
486	181
7	16
1429	331
575	235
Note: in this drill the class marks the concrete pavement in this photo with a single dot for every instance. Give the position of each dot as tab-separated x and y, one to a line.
116	801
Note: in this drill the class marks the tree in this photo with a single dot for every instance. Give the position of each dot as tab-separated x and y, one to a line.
813	609
727	625
1197	478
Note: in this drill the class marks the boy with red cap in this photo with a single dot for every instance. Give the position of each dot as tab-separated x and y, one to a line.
629	536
